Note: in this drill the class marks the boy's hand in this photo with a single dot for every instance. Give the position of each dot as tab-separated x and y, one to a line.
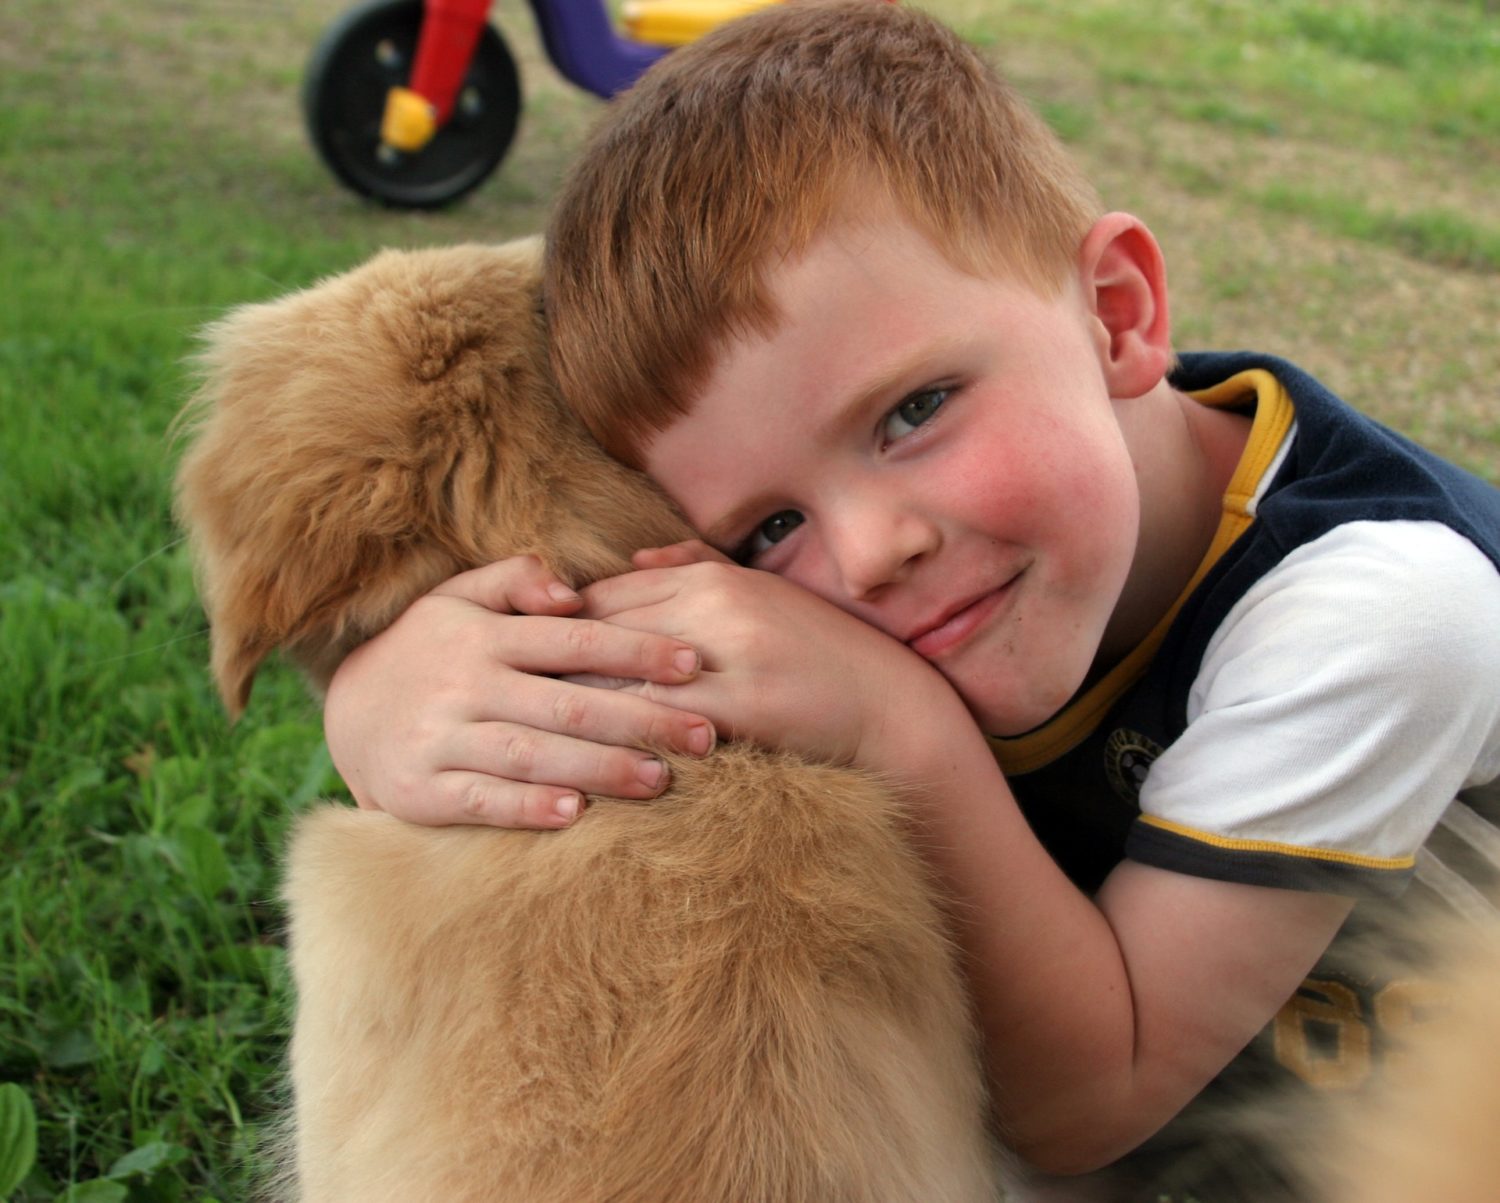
781	667
453	715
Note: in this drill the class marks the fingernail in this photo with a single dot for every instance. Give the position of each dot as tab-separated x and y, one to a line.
651	772
685	660
560	592
700	739
566	807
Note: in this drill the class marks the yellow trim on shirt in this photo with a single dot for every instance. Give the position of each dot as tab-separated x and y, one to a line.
1237	845
1273	419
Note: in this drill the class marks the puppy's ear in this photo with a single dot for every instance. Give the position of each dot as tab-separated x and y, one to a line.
323	438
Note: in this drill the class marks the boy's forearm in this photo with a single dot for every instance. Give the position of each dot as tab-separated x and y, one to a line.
1051	994
1051	989
1100	1017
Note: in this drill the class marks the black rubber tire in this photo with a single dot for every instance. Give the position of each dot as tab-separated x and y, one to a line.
365	53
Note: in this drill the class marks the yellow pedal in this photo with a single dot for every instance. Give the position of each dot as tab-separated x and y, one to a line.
409	120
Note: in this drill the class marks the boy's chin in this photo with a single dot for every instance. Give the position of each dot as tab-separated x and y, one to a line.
1008	719
1008	723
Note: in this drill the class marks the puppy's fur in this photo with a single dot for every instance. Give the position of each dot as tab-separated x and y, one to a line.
741	991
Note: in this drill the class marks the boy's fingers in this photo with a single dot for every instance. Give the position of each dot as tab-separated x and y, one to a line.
698	575
524	756
587	738
473	798
540	645
519	585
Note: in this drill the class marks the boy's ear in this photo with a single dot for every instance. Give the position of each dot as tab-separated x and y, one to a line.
1124	279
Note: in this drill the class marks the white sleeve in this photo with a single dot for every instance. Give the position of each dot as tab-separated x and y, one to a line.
1340	706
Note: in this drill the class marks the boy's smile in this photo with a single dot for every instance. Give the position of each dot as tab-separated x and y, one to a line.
934	452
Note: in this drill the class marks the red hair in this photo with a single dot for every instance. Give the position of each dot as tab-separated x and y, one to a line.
734	152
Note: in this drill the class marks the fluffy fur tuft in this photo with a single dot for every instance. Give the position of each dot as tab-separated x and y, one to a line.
356	443
742	991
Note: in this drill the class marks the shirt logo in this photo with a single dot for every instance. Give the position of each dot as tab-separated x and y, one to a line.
1127	760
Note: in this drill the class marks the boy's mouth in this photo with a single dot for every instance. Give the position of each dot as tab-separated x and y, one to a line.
949	630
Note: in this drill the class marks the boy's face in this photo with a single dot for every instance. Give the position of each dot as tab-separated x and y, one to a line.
933	452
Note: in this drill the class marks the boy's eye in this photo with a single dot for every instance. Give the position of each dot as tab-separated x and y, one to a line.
773	530
913	411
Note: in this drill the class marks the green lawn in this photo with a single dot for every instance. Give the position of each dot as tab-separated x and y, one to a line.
1323	177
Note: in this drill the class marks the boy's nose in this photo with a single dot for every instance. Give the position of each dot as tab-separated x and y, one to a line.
878	546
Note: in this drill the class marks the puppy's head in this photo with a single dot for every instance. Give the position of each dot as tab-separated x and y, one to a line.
354	444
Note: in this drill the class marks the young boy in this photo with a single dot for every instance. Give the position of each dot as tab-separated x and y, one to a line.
828	282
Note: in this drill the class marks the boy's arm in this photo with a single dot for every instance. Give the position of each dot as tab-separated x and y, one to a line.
1345	702
1102	1017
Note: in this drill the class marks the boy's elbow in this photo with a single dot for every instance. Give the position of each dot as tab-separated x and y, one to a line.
1068	1154
1079	1136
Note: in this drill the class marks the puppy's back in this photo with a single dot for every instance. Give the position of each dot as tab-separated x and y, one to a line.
740	992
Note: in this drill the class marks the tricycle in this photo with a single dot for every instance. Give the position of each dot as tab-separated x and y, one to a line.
415	102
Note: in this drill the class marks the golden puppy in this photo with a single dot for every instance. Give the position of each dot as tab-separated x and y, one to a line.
739	992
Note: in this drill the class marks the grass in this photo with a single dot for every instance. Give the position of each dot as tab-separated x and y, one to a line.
1444	237
1322	177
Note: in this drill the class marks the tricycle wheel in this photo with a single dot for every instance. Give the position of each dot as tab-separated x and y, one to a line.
368	51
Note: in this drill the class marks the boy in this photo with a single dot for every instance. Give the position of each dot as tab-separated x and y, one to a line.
832	286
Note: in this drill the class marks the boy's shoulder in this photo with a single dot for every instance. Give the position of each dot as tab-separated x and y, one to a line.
1339	465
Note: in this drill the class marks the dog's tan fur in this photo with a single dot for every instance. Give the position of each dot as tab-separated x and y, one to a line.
741	991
